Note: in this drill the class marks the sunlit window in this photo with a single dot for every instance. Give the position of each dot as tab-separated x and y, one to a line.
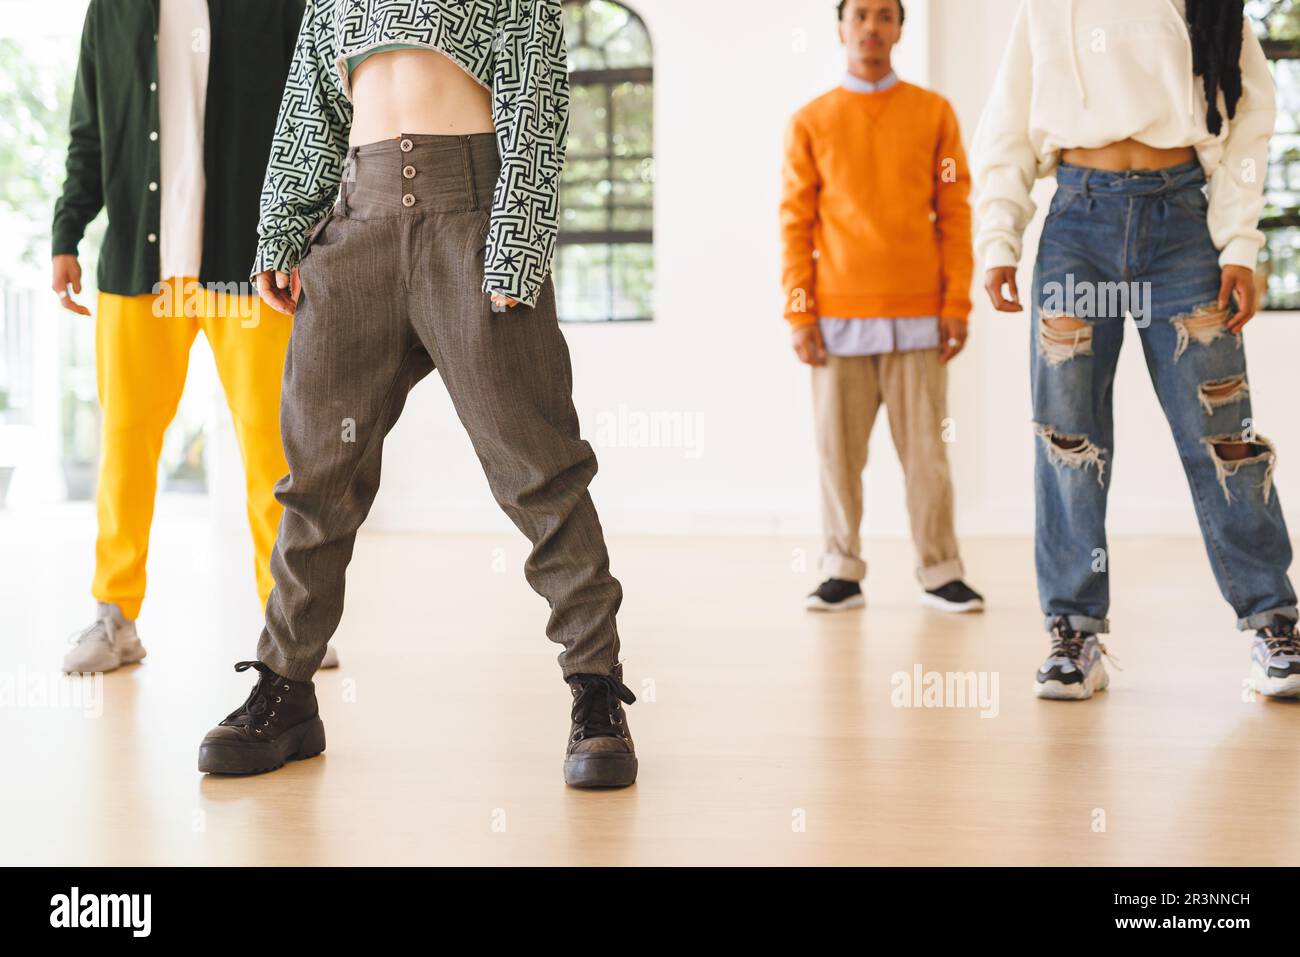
605	255
1277	23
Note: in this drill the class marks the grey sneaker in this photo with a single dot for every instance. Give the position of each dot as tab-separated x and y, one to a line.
107	644
1073	669
1275	660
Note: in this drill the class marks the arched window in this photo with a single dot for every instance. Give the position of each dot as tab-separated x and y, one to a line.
605	253
1277	23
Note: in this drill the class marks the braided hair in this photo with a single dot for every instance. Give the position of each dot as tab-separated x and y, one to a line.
1215	27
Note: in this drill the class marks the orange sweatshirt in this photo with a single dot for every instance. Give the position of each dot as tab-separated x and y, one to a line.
875	218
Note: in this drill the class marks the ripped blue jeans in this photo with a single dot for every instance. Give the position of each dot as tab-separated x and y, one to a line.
1137	243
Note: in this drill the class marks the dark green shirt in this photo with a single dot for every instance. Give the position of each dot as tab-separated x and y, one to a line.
113	161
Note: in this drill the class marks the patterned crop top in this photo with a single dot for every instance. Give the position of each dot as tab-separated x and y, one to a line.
514	48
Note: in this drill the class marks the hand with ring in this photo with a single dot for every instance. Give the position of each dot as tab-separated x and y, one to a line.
67	272
953	333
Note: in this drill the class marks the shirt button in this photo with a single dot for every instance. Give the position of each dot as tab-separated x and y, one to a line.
153	87
153	237
408	200
406	146
408	172
153	136
153	187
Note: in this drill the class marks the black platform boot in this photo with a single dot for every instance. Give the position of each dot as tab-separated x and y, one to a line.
600	753
279	722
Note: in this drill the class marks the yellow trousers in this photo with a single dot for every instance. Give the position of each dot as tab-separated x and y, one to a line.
142	349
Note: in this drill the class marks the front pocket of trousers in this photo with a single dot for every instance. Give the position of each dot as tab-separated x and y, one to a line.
477	252
315	232
1194	202
1063	200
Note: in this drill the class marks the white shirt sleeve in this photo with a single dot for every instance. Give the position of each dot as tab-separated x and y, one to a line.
1237	186
1004	163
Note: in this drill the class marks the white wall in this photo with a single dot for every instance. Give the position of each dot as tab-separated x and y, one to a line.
728	75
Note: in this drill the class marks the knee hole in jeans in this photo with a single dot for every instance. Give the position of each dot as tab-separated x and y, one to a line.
1202	325
1216	393
1072	451
1234	451
1063	337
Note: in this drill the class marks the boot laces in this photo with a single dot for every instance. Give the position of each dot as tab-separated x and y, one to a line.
595	706
1281	637
256	712
1068	643
100	630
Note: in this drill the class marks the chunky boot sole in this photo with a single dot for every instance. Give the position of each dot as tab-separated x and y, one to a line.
305	740
600	770
130	654
1274	687
1098	680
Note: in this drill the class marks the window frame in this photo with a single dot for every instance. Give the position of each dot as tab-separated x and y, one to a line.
609	78
1276	51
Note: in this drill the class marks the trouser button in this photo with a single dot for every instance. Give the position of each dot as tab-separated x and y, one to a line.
408	172
406	146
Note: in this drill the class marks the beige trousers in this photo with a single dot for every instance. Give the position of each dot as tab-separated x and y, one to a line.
847	392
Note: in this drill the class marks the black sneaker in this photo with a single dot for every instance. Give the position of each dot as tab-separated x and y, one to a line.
600	752
955	597
1275	659
835	594
279	722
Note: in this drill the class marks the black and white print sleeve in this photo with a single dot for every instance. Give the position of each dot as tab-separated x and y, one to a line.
309	147
530	109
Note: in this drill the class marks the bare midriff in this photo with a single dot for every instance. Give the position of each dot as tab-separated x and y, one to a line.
1128	155
416	91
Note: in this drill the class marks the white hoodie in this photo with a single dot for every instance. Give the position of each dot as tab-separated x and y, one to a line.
1087	73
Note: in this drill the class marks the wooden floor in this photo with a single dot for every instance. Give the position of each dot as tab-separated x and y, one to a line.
767	735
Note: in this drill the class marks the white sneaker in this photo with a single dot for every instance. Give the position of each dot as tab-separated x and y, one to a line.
1073	669
107	644
1275	660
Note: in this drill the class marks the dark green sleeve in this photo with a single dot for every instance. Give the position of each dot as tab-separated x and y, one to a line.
83	187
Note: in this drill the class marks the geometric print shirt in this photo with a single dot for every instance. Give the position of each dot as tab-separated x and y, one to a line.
513	48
